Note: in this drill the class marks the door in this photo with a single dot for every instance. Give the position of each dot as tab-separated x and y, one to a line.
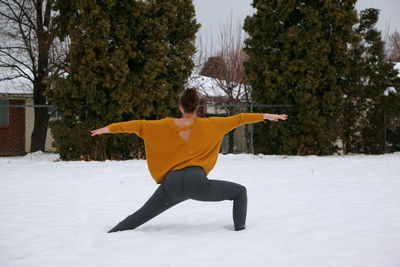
12	127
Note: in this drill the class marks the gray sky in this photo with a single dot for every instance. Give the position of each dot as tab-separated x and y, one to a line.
212	13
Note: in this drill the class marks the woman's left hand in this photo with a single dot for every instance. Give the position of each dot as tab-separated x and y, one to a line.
100	131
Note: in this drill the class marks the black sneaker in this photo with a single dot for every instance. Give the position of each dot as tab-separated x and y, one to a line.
240	227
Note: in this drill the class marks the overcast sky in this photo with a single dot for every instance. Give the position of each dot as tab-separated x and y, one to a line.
212	13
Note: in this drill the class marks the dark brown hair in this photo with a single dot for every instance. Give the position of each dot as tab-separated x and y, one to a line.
189	100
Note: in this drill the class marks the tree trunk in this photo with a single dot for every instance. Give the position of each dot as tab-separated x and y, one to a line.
346	139
249	138
231	136
38	138
231	141
248	133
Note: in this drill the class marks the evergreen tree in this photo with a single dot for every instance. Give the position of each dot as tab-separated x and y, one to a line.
366	104
298	55
128	60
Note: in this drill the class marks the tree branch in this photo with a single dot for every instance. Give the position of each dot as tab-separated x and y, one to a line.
22	10
11	78
16	60
47	14
16	68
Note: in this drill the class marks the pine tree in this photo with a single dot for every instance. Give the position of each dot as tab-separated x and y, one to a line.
298	55
366	104
128	60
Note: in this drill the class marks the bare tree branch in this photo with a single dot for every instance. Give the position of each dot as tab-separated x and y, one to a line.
17	69
393	47
11	78
227	70
24	14
13	19
27	37
12	47
28	50
47	13
15	60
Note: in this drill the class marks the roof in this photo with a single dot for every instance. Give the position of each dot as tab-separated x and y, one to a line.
210	87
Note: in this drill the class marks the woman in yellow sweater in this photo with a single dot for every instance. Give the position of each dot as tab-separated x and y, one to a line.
180	153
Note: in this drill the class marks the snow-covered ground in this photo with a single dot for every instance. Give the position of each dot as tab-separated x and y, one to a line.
311	211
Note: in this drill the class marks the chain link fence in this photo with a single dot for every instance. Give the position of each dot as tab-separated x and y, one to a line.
359	129
18	136
243	139
375	132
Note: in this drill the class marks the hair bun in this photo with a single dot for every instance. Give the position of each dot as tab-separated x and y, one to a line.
191	92
189	100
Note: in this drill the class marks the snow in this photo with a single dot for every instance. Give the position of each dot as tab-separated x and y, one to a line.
207	85
397	66
303	212
392	89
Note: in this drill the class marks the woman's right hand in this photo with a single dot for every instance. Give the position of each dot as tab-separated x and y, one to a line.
275	117
100	131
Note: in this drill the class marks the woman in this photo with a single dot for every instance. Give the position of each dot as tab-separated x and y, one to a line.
180	153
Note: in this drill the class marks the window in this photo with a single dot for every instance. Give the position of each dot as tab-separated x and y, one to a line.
3	112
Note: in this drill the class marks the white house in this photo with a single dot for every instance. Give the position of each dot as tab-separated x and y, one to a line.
213	97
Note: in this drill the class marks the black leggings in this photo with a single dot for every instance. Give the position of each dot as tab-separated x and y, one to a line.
188	183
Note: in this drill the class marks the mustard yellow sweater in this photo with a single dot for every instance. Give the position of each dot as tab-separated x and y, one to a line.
166	150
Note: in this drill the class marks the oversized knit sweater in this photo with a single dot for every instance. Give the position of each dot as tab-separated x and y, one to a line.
166	150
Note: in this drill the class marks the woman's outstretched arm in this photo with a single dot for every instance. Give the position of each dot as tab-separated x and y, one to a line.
227	124
134	126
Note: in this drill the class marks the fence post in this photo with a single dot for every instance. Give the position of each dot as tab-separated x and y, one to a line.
251	132
384	122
